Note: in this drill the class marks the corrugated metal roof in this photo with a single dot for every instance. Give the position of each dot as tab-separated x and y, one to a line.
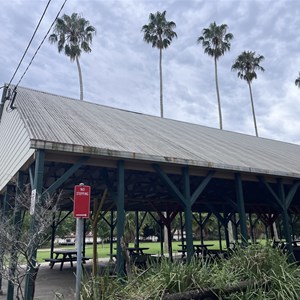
62	123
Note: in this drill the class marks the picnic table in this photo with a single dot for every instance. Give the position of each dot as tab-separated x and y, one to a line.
199	249
136	250
62	256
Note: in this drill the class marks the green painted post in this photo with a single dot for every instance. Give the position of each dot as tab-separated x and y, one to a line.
38	185
188	214
6	205
17	223
286	221
137	230
120	217
241	208
111	234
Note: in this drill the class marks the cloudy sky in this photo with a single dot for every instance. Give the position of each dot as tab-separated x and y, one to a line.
122	70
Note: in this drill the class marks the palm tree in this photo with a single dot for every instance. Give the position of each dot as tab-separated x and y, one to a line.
297	81
159	32
216	41
73	34
246	64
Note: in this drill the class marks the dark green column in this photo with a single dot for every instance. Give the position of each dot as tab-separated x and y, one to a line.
137	230
285	219
241	208
18	226
5	210
38	185
120	217
188	214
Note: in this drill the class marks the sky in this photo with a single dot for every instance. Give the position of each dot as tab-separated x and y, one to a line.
122	70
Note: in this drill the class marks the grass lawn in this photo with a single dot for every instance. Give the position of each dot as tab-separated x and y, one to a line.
103	250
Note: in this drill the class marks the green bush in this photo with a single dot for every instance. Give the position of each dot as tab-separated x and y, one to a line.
268	270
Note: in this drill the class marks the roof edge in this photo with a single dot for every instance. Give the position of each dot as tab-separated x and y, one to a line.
86	150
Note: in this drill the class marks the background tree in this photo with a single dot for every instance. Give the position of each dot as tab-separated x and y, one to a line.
246	64
73	34
159	32
216	41
297	81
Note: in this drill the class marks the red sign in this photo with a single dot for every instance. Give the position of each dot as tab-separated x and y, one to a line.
82	195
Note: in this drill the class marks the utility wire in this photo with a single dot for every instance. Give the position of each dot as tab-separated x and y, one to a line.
37	50
38	25
12	95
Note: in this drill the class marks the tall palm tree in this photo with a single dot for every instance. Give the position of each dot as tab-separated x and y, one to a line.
159	32
216	41
73	34
297	81
246	64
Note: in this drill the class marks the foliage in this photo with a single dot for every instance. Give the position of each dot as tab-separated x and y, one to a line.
21	243
272	276
73	34
159	32
215	40
246	65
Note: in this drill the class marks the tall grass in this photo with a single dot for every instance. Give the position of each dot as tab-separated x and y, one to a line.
268	270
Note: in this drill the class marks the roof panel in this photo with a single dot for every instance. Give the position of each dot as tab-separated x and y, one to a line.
60	120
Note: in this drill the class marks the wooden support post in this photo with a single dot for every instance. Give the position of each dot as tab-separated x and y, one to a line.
188	214
137	231
241	208
120	217
38	185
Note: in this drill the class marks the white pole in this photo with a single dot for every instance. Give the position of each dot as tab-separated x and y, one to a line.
79	239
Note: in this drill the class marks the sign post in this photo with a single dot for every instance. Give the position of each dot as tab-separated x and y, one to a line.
81	210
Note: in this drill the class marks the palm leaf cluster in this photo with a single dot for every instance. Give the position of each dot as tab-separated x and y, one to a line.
73	34
246	65
215	40
159	32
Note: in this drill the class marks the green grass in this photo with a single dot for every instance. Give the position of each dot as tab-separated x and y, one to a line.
103	250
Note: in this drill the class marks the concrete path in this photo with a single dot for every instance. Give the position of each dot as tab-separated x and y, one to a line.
55	284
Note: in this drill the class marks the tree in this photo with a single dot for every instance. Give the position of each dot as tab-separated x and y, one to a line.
216	41
18	257
297	81
159	32
73	35
246	64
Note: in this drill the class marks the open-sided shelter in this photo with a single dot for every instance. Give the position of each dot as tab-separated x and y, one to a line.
147	163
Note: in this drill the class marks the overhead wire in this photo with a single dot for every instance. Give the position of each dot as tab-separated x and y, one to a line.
13	94
33	35
37	50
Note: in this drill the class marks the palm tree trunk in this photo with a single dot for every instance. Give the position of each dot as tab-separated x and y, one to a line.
80	78
161	84
253	111
218	95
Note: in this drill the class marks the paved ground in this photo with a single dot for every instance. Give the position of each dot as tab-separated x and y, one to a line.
55	284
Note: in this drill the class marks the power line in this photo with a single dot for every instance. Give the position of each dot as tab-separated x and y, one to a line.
38	25
12	95
37	50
